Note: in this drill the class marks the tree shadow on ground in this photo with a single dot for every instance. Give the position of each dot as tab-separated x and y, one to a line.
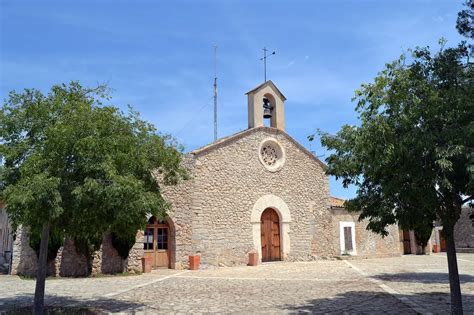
20	304
421	277
369	302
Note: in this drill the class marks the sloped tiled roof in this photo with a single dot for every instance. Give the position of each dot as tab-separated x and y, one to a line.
337	202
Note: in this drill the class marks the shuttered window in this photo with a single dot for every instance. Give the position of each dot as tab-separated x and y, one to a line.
348	239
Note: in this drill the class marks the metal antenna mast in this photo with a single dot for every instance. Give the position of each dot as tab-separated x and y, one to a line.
265	62
215	93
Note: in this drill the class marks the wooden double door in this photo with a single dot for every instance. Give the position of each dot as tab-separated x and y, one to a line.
270	234
156	243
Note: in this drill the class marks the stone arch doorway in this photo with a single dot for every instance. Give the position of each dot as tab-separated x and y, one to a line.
281	209
270	235
158	242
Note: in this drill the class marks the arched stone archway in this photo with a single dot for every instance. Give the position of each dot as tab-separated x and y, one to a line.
172	242
276	203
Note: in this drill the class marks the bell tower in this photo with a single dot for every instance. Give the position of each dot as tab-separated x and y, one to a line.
266	102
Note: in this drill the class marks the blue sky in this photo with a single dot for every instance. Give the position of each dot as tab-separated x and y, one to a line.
158	55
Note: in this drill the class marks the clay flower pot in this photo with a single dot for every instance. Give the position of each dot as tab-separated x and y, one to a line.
146	264
253	259
194	261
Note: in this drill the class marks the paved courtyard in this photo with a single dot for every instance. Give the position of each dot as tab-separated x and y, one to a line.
409	284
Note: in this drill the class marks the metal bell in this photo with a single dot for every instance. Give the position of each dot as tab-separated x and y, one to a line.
267	113
267	108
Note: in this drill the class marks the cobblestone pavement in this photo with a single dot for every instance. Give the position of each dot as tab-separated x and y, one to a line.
423	279
401	285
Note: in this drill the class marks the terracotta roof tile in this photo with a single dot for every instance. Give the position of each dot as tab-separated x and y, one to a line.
337	202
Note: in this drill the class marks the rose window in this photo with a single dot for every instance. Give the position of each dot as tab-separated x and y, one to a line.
269	155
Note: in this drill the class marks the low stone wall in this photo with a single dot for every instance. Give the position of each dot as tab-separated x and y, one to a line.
368	244
374	245
463	232
107	260
69	263
464	229
72	263
24	258
134	260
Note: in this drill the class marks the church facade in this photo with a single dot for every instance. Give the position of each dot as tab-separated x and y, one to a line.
257	191
261	191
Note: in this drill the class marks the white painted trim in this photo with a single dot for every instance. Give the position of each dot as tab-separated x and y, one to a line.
144	284
342	225
276	203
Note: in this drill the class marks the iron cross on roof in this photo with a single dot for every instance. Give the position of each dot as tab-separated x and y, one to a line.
264	58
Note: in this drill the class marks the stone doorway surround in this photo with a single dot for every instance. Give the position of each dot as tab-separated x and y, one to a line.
271	240
281	208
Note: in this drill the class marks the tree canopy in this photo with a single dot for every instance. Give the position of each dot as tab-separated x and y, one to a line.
79	168
412	156
79	165
465	20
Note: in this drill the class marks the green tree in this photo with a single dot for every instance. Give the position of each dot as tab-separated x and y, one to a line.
78	169
412	156
56	240
465	20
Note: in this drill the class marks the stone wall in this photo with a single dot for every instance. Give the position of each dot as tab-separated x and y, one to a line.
69	263
215	205
211	212
6	236
367	242
180	216
464	230
24	257
134	263
72	263
25	260
107	260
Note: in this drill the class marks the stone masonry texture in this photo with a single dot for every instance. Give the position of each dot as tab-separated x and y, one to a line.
212	210
464	229
210	213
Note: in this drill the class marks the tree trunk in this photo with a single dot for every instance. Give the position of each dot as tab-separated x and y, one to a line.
41	271
454	284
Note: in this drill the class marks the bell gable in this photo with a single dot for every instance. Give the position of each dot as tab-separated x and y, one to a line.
266	102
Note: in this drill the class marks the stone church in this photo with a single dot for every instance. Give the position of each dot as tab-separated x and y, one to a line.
256	191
